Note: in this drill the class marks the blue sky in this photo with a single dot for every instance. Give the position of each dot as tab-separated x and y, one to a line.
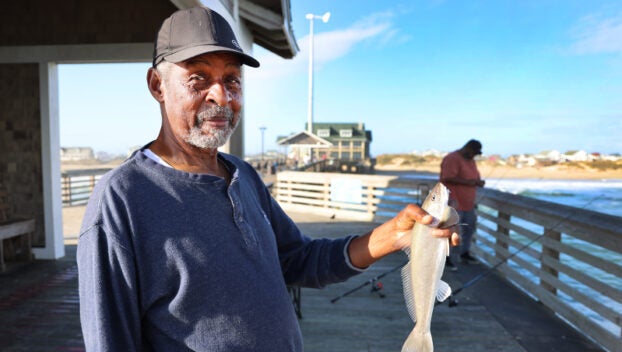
521	76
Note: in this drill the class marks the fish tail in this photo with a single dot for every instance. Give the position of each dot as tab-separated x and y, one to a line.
417	342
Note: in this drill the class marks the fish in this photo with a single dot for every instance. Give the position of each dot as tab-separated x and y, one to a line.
421	276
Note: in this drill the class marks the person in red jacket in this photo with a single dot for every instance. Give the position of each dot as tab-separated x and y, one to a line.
459	173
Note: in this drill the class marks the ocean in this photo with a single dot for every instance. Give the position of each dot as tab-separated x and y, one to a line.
603	196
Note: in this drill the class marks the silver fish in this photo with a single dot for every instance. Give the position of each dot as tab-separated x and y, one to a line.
421	277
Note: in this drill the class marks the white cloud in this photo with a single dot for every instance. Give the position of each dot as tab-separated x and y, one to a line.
328	46
596	34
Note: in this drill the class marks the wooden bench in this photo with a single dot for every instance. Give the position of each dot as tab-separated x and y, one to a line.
15	234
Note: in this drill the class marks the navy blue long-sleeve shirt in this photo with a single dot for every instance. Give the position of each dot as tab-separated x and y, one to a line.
176	261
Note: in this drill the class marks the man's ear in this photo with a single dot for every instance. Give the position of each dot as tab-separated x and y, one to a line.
155	83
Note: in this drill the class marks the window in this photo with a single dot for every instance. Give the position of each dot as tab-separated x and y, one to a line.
345	133
323	133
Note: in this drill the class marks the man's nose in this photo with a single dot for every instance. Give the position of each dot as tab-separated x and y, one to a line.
218	94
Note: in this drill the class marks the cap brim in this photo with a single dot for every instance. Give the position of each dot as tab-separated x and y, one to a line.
185	54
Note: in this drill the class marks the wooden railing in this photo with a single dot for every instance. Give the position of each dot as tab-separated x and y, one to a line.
77	185
570	259
361	197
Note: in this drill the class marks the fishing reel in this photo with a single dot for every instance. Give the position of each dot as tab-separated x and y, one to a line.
376	286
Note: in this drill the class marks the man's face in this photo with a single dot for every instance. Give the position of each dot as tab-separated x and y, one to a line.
472	153
203	98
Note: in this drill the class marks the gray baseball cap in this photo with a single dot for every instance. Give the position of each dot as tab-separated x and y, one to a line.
195	31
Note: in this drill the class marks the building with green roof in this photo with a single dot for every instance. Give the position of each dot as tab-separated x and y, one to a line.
347	142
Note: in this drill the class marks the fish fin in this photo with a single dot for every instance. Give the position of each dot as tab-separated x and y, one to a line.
443	291
416	342
408	292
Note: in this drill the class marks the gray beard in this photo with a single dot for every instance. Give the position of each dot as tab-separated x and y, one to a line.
212	138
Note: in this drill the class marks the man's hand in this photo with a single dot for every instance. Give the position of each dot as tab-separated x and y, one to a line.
394	235
412	214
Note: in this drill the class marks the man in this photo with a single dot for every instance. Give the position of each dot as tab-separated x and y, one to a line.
459	173
182	247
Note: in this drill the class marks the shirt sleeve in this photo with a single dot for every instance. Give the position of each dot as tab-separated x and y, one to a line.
310	262
450	167
109	312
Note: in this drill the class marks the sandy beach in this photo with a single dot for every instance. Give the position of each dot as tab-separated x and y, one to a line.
497	171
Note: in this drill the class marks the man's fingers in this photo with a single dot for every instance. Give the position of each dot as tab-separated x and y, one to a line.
455	239
417	213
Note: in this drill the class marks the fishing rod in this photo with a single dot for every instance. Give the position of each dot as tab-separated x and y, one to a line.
374	281
452	302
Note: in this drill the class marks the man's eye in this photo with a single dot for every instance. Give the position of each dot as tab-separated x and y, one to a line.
196	78
198	82
233	81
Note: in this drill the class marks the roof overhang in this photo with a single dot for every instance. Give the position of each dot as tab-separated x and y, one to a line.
270	24
305	139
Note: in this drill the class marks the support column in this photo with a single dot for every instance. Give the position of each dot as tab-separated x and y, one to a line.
50	159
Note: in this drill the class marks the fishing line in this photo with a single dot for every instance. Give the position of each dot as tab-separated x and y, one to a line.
453	302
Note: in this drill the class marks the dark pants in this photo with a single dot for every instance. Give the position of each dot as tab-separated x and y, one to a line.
468	219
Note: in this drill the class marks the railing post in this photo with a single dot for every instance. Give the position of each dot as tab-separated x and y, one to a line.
502	230
424	190
289	191
326	193
92	185
370	201
66	189
69	190
547	251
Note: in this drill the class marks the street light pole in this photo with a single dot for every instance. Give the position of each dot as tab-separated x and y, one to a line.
262	129
324	19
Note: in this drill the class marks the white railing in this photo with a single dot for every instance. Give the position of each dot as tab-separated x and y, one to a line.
77	185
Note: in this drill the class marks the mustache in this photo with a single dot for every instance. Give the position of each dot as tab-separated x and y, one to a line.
215	112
